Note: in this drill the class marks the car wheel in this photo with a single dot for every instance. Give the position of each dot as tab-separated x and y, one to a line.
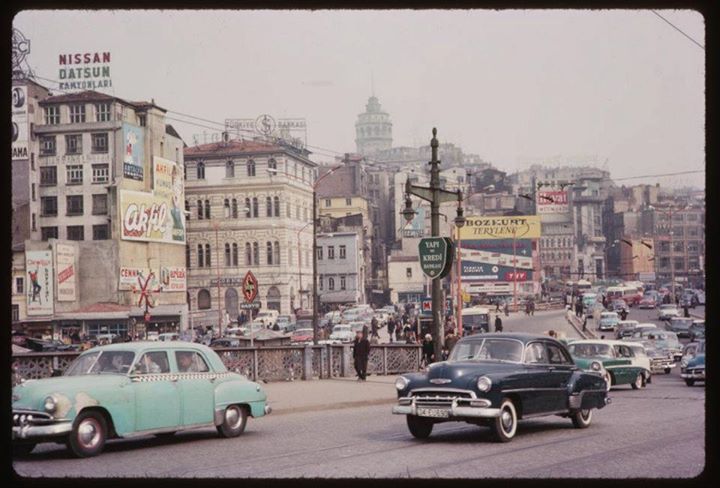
419	427
689	381
88	435
234	421
504	426
638	383
581	419
22	450
608	381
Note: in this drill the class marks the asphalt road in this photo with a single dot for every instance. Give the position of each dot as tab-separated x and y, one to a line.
654	432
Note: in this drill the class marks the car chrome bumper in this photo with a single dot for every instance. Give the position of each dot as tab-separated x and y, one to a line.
462	407
28	431
695	375
268	409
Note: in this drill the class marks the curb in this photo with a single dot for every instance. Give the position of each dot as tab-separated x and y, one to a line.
336	406
578	328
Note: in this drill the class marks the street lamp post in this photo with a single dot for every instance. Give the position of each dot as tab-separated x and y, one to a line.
435	195
216	226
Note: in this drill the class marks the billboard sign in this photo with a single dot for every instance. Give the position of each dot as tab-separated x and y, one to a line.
435	256
134	154
39	294
492	260
508	227
147	217
552	202
84	71
168	279
66	276
168	185
19	122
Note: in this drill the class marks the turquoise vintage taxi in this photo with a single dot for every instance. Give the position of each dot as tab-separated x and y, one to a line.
133	389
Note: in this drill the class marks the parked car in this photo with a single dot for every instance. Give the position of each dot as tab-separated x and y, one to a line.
695	367
660	361
169	336
679	325
342	333
647	302
668	342
283	322
133	389
667	311
589	301
608	321
496	379
612	359
625	328
640	357
700	294
697	330
302	336
225	342
266	317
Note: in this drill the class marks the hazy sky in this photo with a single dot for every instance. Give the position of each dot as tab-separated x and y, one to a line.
512	86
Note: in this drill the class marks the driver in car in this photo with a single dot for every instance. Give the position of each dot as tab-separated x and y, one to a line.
186	363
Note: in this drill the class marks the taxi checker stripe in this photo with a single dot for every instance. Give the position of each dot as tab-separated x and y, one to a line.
145	378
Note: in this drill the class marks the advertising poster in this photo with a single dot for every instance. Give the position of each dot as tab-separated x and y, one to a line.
168	185
134	153
168	278
40	282
65	267
19	123
517	227
173	278
147	217
552	202
492	260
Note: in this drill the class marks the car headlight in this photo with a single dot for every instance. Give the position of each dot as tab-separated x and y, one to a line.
683	363
401	383
50	404
484	383
595	366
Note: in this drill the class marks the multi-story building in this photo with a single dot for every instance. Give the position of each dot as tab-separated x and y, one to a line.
679	242
98	164
249	206
341	269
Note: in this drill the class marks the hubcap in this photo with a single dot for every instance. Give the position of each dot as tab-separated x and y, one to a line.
585	414
507	420
89	433
233	417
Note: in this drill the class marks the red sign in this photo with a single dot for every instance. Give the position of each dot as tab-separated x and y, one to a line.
249	287
519	276
427	306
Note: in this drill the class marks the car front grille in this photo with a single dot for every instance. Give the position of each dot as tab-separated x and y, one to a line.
30	417
438	398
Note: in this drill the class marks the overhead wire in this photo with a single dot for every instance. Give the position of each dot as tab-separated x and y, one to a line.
678	29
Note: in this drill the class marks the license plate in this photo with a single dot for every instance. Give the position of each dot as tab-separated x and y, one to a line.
433	412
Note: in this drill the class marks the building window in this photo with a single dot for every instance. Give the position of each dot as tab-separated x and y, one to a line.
32	192
228	259
15	313
74	174
248	254
230	169
328	202
48	206
331	284
248	208
234	208
48	233
200	170
142	120
75	233
319	253
102	112
408	272
48	176
342	282
234	254
204	300
342	252
208	259
74	205
73	144
207	209
99	204
276	253
19	285
256	254
320	279
187	255
47	146
52	115
268	206
77	114
101	232
276	206
348	201
200	212
100	173
255	207
201	256
331	252
269	249
272	164
226	207
99	142
251	168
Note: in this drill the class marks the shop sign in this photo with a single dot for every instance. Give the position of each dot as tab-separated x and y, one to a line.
435	256
516	227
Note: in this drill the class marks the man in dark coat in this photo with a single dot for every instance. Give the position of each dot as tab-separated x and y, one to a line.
391	328
498	324
623	314
374	328
361	353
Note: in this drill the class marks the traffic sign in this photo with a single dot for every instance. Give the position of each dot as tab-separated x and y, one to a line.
250	287
436	256
427	305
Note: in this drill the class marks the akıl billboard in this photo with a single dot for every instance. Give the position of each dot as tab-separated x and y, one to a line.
147	217
134	152
39	294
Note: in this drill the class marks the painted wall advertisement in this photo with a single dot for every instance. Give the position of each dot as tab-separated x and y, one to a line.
168	279
168	185
65	267
134	154
552	202
492	260
40	282
517	227
19	123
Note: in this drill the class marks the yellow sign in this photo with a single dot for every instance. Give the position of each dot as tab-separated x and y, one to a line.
508	227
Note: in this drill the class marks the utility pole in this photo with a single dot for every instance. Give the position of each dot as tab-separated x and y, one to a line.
435	195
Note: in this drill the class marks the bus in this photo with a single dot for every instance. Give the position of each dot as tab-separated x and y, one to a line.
475	319
630	294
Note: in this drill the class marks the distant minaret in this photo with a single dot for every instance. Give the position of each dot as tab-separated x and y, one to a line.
373	129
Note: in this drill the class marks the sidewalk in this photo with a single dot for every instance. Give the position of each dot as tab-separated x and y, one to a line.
303	396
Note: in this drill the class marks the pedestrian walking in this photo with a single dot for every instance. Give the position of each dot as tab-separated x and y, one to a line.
361	353
686	312
391	328
399	333
498	324
532	307
507	309
450	341
623	314
374	328
428	349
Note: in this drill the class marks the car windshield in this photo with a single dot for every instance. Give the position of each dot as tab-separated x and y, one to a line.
341	328
475	319
608	316
489	350
590	350
301	332
668	339
101	362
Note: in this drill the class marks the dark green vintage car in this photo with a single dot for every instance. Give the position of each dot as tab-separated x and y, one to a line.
497	379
